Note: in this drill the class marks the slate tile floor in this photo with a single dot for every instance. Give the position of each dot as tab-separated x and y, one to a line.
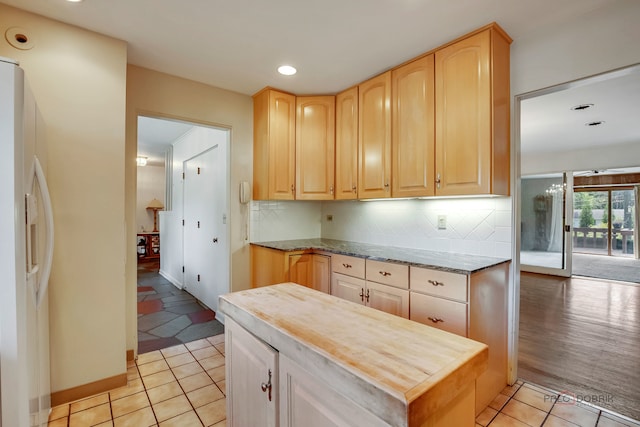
168	316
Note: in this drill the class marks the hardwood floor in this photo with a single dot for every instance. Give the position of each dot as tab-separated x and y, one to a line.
582	336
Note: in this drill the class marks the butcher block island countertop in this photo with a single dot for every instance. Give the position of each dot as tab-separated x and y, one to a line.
403	372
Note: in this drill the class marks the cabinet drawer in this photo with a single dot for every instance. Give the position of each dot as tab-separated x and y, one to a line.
439	283
349	265
388	273
440	313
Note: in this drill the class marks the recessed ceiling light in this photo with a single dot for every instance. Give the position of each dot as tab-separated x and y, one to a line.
287	70
581	107
596	123
74	1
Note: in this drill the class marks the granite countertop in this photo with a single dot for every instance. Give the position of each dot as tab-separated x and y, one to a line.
452	262
399	370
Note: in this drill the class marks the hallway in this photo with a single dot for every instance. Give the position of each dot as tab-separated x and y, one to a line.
168	316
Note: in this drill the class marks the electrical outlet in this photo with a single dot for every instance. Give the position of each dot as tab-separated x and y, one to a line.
329	218
442	222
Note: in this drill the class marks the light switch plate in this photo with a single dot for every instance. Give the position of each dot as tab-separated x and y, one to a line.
442	222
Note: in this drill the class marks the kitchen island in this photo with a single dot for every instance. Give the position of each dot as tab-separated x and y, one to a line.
299	357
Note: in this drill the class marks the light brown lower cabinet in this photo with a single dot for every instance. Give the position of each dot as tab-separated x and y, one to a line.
272	266
472	306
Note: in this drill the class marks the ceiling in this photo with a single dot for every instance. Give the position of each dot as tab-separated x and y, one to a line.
334	44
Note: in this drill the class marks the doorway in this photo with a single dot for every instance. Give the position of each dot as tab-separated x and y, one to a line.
172	308
574	127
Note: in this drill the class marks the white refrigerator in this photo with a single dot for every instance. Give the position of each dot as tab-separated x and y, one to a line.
26	251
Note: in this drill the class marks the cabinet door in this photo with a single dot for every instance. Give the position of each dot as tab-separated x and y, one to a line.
374	137
300	269
450	316
321	271
251	366
463	116
349	288
413	118
388	299
308	401
347	144
315	147
268	266
282	160
274	119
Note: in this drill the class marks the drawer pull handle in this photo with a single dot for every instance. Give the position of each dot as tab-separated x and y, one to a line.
435	319
384	273
435	283
266	387
346	265
362	294
367	296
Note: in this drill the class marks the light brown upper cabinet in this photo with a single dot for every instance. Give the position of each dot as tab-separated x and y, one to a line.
374	137
274	121
472	115
315	147
413	133
347	144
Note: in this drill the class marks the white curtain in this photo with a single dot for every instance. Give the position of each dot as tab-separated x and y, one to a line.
555	228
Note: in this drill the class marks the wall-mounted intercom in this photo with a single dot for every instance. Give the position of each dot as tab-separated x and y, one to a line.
245	192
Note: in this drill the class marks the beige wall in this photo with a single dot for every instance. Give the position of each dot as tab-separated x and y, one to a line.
79	81
155	94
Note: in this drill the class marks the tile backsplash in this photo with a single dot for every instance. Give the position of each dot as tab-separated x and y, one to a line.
477	226
285	220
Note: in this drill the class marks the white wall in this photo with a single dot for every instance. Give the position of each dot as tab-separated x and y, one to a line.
194	142
151	185
589	44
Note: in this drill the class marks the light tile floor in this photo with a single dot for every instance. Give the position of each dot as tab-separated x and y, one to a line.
528	405
184	386
180	386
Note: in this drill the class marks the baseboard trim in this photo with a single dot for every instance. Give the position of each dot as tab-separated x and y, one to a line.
175	282
86	390
130	355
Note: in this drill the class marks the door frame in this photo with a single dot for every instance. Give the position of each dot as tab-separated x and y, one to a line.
516	167
567	227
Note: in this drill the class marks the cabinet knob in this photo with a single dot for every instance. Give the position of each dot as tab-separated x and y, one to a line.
266	387
435	319
331	189
435	283
438	180
353	188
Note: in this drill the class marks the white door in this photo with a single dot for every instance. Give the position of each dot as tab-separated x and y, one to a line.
205	270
